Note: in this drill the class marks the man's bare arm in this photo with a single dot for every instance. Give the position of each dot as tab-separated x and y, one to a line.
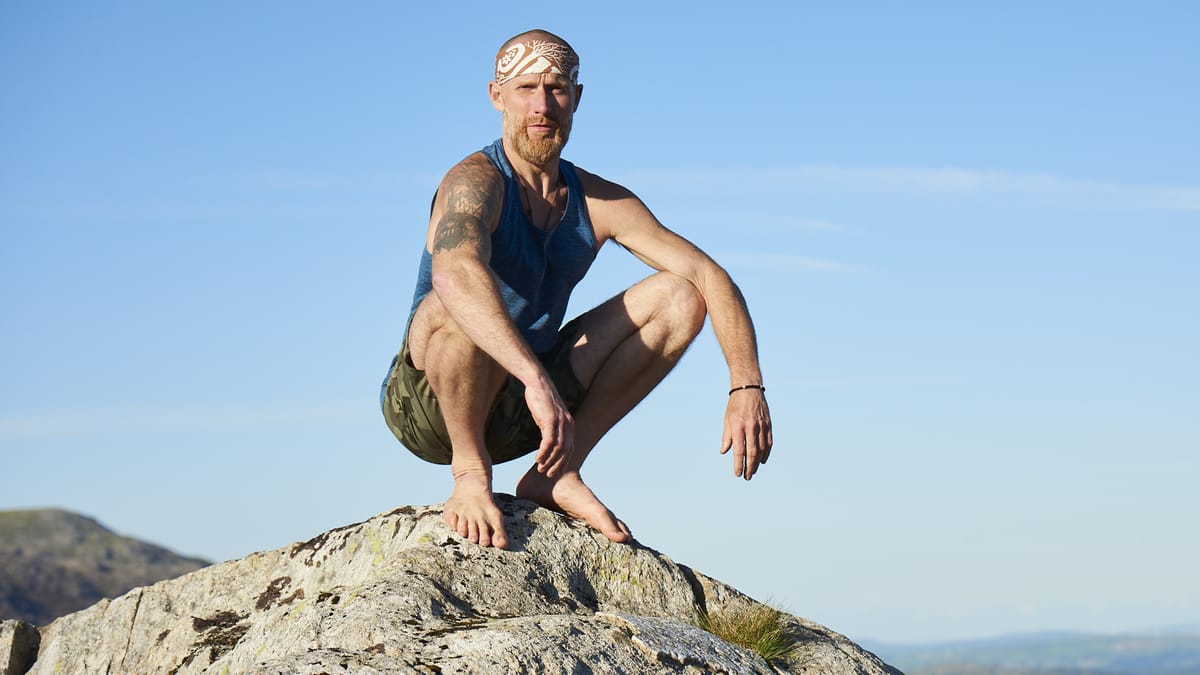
619	215
467	210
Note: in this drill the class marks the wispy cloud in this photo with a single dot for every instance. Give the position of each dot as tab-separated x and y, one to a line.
63	424
298	182
309	182
893	179
783	262
761	215
811	224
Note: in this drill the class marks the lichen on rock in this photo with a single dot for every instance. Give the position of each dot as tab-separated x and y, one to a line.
401	593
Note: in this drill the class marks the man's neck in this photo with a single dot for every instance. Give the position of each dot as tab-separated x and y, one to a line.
543	179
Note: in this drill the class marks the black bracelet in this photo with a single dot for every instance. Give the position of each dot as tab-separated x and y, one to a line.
748	386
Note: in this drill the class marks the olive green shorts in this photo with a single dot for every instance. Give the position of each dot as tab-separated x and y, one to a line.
414	415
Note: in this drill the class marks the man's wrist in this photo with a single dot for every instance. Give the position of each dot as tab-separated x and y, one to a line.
539	381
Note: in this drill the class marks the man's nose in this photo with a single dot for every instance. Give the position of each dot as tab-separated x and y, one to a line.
543	100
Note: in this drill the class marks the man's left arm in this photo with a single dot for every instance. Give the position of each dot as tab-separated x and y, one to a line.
619	215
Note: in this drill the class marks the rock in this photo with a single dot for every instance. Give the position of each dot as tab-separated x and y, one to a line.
18	647
401	593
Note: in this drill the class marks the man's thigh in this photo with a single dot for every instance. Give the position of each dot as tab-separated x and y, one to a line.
412	411
603	328
414	415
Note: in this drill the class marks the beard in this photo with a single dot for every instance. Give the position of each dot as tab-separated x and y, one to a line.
537	151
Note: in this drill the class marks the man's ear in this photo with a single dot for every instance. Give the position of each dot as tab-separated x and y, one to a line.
578	95
494	95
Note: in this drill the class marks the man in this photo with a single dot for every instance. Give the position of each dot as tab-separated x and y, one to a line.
486	374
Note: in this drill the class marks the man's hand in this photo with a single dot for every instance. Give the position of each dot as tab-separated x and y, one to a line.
747	431
557	426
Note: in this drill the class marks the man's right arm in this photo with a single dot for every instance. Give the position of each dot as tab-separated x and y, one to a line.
466	212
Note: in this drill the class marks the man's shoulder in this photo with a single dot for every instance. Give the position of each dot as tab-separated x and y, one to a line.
475	168
598	187
475	161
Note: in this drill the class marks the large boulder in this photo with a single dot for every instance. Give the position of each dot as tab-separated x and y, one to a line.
401	593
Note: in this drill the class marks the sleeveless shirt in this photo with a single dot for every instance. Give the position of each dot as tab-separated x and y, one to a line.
537	269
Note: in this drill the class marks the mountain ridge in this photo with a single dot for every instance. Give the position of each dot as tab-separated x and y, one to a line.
1173	651
54	561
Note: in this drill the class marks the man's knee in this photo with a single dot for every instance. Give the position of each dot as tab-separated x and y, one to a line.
434	335
683	302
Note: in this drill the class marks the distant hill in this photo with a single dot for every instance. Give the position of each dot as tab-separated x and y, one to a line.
1167	653
55	562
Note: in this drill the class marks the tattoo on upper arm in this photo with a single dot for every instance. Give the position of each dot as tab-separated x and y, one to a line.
458	229
473	203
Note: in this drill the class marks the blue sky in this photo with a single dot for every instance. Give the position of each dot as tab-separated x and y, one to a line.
967	232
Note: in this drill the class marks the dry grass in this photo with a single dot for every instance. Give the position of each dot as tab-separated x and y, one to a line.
759	628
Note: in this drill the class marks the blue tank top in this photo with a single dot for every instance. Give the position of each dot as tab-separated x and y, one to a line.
537	268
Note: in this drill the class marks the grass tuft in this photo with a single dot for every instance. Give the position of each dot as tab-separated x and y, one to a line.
759	628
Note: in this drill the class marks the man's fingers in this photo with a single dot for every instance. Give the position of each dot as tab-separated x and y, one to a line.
556	425
556	464
558	440
752	462
750	449
764	447
543	453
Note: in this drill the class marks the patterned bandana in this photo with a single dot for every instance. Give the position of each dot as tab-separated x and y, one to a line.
534	57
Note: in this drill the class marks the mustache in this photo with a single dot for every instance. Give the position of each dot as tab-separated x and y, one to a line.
543	120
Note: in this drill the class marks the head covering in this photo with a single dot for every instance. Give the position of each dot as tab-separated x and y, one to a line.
534	57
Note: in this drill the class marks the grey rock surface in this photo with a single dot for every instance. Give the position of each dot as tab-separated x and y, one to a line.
401	593
18	646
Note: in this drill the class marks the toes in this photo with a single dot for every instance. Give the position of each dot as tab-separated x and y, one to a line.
496	530
618	536
498	539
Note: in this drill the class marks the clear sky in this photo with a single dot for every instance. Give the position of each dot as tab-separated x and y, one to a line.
967	232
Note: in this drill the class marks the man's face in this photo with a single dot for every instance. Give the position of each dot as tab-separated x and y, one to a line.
537	111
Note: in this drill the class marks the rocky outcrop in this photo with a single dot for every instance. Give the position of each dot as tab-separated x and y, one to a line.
18	646
401	593
53	562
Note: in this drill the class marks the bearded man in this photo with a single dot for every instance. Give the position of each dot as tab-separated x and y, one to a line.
488	373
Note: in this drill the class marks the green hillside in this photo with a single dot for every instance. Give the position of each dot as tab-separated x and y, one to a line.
54	562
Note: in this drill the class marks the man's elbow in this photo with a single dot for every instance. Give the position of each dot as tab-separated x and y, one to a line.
446	284
446	278
456	276
714	277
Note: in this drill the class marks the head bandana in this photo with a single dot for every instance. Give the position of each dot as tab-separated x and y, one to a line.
534	57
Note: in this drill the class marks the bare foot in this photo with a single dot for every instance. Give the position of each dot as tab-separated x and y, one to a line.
471	512
568	494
